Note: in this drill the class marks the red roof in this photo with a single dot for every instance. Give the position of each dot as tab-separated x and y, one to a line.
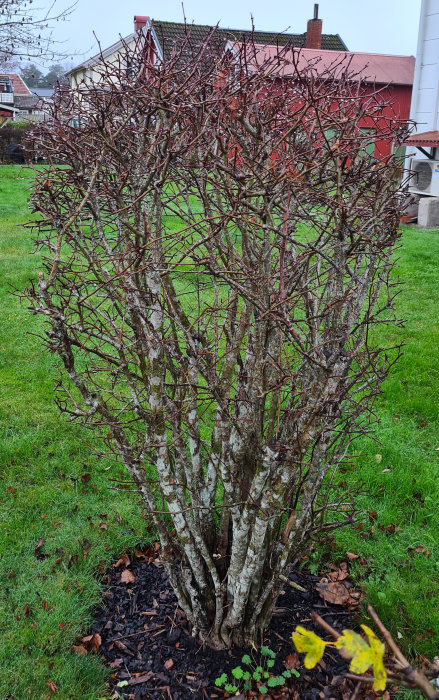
18	84
426	138
367	67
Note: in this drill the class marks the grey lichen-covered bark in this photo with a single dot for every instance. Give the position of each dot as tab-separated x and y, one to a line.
216	256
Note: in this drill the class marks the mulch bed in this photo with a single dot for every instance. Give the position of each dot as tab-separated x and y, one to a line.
145	638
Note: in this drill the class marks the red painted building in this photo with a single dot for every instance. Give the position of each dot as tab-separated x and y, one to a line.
389	76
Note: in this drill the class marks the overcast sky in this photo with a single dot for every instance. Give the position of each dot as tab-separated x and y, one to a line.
375	26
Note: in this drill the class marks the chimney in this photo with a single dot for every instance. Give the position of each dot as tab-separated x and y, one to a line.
314	31
139	22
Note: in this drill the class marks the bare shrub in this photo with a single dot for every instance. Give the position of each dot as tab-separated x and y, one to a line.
217	254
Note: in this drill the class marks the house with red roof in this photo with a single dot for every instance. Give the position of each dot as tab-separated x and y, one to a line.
16	99
164	38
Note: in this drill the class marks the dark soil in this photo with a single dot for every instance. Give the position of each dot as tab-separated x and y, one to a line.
146	640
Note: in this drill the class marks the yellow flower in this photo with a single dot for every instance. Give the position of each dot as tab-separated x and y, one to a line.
310	644
364	655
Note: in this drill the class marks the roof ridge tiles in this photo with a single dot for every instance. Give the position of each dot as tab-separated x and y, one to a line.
330	42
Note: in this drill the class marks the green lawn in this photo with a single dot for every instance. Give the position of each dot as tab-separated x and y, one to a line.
404	485
45	603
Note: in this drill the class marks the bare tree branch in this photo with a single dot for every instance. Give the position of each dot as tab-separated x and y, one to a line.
26	30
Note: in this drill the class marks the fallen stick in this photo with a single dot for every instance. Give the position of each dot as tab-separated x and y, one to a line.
293	584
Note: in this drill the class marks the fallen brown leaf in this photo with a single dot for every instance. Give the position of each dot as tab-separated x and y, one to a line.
141	679
79	649
116	663
339	573
85	477
352	556
52	687
420	549
92	642
124	559
291	661
86	546
333	592
338	592
148	552
127	576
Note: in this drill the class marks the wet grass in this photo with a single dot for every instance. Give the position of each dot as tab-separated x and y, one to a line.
46	601
402	467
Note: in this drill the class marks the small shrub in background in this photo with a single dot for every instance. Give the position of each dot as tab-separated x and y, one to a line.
13	138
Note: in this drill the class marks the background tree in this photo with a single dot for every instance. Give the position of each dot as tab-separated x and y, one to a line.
55	74
31	75
217	255
34	77
26	30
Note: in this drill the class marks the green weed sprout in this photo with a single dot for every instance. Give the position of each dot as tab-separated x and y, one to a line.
255	677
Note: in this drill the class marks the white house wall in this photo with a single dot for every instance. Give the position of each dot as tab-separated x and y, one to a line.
89	75
425	100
